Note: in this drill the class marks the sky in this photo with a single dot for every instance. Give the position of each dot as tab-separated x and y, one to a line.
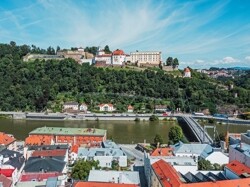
200	33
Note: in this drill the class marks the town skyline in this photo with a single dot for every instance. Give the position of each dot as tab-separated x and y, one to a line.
201	34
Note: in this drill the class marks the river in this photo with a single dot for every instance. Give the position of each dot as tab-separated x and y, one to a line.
119	131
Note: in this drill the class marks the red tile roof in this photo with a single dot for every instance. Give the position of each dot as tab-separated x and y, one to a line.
162	152
109	104
130	107
186	70
166	174
118	52
47	153
224	183
5	181
238	168
6	172
38	176
6	139
74	149
102	184
38	140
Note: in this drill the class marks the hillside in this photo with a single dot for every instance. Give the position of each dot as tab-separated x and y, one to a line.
41	85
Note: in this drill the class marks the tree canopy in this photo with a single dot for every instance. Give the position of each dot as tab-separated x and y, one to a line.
175	134
39	85
81	169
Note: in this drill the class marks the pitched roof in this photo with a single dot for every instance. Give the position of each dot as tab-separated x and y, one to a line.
162	152
118	52
46	153
5	181
186	70
130	107
74	149
124	177
71	103
38	140
16	159
37	164
38	176
6	172
6	139
102	184
238	168
109	104
68	131
166	174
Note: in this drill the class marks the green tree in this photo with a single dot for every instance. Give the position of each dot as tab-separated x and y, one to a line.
158	139
81	169
175	63
169	61
175	134
153	118
107	50
205	165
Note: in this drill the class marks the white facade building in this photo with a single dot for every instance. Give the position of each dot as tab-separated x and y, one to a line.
106	107
146	58
122	177
83	107
70	105
240	152
118	57
105	156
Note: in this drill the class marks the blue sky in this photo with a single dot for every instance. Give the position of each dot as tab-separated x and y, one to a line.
200	33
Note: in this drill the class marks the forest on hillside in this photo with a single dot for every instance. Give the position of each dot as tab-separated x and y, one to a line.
40	85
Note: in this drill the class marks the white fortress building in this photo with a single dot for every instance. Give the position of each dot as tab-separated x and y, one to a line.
142	58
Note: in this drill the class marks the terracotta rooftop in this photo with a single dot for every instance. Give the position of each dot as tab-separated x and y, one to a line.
238	168
6	139
162	152
118	52
38	140
109	104
130	107
74	149
46	153
167	175
38	176
186	70
102	184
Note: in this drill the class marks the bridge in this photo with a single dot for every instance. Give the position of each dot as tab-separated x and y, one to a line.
200	133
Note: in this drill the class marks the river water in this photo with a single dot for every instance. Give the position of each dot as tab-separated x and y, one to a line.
120	131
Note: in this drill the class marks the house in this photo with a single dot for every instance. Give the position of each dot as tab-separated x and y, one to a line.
187	73
8	141
118	57
122	177
166	151
12	163
236	170
245	137
61	135
240	152
130	109
106	107
164	175
161	108
101	184
83	107
105	156
70	105
217	157
45	164
192	150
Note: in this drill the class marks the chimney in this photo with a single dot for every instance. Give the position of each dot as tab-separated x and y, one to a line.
158	144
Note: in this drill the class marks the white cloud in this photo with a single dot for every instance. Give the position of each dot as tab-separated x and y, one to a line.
226	60
247	58
199	61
